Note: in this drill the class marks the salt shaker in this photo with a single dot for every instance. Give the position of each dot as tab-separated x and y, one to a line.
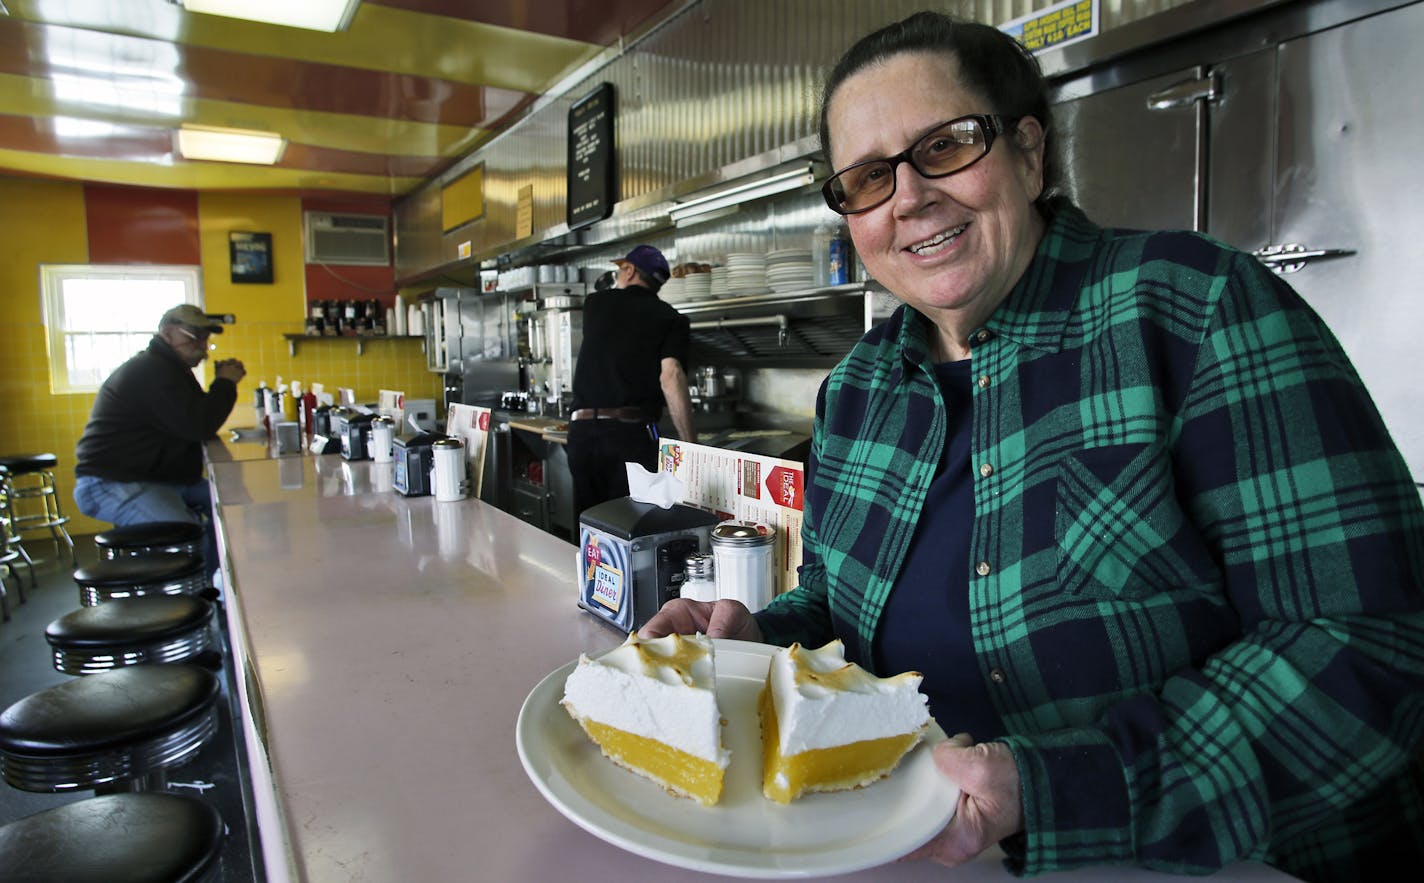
701	582
744	561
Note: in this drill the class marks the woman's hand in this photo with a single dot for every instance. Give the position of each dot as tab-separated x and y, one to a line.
715	619
990	800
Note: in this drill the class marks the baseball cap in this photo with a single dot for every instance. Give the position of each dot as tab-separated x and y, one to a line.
192	317
649	261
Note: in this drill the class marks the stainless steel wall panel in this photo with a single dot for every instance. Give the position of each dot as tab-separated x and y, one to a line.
720	83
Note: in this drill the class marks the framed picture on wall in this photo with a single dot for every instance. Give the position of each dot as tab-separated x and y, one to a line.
251	257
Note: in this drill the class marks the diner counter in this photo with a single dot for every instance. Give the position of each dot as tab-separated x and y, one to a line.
385	646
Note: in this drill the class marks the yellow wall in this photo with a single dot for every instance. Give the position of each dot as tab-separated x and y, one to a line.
43	222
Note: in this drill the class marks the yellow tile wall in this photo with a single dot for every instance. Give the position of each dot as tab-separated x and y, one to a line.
43	222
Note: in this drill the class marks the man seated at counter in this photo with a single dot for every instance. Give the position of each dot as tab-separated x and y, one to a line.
1119	496
140	459
632	361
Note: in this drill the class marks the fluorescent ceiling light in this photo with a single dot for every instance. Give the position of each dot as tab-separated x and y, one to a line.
698	206
316	15
230	145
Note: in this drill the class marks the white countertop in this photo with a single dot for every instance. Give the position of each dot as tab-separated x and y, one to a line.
389	644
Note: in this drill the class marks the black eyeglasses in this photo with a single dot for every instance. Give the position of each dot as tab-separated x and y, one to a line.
949	147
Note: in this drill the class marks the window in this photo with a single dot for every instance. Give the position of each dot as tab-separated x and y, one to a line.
97	317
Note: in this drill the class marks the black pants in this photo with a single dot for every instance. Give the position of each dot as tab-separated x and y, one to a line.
597	450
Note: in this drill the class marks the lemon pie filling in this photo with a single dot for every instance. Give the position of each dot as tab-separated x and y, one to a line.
651	706
829	725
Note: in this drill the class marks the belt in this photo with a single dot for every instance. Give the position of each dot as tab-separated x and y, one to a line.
627	415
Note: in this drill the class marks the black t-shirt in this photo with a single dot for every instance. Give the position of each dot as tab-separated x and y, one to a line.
627	332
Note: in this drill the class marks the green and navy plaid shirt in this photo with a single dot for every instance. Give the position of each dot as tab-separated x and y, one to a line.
1197	565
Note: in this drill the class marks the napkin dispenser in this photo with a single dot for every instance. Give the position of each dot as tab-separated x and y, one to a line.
414	458
356	436
632	555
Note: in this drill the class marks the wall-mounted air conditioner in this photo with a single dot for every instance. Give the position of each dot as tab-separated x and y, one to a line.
339	238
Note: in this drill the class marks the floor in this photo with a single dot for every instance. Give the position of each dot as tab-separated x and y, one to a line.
218	773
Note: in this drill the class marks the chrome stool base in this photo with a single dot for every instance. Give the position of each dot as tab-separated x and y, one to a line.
117	731
134	631
150	539
171	573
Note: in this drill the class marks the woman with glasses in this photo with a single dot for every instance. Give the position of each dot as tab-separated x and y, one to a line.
1119	496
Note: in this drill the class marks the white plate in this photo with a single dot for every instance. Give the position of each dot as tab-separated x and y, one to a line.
744	835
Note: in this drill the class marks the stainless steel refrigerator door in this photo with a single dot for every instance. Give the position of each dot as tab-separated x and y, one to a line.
1349	177
1126	166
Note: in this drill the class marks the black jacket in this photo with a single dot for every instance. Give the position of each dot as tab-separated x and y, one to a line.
150	420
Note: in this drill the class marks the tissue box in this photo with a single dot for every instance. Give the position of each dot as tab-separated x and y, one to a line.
631	557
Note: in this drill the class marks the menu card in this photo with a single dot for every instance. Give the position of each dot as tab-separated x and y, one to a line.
746	487
471	424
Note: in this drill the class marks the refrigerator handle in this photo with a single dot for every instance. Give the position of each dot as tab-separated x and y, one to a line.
1186	93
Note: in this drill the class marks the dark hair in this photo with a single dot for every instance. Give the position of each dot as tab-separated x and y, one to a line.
991	63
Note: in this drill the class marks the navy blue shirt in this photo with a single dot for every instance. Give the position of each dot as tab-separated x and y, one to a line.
928	609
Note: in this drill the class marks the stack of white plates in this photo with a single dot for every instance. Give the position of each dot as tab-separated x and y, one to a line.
674	290
790	269
746	273
697	286
718	286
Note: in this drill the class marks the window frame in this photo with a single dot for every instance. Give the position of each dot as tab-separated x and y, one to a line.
57	333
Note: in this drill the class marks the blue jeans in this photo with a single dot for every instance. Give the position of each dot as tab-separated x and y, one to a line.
142	502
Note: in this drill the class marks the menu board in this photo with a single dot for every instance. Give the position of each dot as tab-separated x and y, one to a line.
591	189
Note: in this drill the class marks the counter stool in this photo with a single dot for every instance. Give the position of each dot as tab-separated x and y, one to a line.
116	731
9	539
118	838
32	481
133	631
7	559
167	573
146	540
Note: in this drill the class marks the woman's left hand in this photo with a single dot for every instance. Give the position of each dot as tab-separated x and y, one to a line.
990	800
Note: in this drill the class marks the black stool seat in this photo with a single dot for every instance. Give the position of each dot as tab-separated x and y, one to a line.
168	573
118	838
23	464
131	631
119	730
143	540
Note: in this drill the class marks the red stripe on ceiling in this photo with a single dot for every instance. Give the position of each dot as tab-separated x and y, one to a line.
33	135
326	159
600	22
141	225
223	75
156	145
278	82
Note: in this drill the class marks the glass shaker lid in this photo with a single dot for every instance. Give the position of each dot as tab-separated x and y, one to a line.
743	533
